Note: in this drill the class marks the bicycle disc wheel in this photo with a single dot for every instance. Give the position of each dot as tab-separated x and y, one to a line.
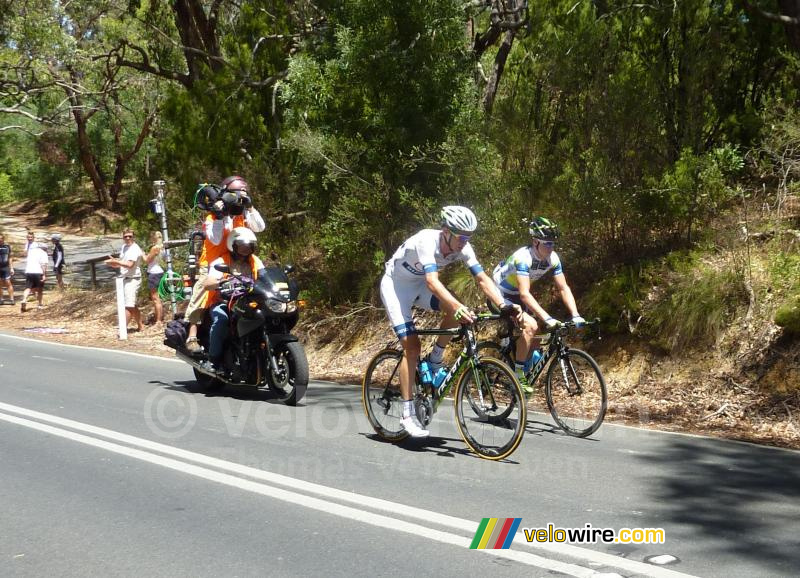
380	395
576	393
490	409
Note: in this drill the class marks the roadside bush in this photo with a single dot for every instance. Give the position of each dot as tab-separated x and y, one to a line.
788	316
699	303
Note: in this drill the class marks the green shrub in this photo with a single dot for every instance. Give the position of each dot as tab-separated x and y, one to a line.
617	297
700	302
6	189
788	316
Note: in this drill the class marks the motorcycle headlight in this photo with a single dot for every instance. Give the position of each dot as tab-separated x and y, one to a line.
291	307
276	306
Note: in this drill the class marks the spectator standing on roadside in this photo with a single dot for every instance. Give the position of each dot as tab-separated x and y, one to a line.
28	241
129	264
6	270
58	259
35	274
155	272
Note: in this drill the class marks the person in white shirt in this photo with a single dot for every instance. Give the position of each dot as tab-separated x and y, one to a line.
129	264
35	273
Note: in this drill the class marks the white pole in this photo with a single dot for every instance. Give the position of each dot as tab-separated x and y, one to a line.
123	323
160	209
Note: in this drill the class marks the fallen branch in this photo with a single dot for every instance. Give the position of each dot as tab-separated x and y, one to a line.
720	411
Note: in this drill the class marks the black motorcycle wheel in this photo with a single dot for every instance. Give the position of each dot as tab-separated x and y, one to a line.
206	382
291	381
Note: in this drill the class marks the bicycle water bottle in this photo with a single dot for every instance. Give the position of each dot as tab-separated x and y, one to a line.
425	376
533	360
438	379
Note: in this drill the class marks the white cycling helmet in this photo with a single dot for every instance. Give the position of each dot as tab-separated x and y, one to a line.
239	236
460	220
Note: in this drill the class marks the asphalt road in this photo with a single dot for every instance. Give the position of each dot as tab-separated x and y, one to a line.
115	465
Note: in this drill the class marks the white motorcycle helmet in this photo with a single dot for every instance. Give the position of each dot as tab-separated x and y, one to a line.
241	236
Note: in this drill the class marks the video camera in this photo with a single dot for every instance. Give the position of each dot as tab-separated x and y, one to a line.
234	202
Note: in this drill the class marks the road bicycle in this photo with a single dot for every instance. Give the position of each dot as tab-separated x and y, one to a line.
489	404
575	389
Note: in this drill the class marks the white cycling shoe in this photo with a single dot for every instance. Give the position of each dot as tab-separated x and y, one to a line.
413	427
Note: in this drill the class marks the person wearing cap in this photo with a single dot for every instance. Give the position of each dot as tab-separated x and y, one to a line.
58	259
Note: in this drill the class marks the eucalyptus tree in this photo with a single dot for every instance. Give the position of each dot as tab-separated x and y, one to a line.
55	74
224	62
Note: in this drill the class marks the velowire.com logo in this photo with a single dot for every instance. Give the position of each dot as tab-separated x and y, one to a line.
495	533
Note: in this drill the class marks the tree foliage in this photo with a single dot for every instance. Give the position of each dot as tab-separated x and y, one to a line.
628	123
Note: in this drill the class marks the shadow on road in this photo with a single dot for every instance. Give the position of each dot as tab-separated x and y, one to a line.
745	497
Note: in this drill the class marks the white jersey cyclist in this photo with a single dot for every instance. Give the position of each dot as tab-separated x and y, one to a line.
403	285
525	261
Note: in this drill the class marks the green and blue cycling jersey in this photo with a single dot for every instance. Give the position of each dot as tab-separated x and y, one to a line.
523	262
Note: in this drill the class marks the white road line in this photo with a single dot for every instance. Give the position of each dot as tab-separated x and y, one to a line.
303	500
116	369
49	358
397	509
85	347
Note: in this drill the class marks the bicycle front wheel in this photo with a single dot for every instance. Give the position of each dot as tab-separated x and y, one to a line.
576	393
380	395
494	349
490	409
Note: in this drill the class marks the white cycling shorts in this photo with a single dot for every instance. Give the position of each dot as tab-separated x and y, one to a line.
399	297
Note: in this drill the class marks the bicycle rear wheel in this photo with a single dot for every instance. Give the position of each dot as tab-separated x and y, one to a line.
380	395
490	409
576	393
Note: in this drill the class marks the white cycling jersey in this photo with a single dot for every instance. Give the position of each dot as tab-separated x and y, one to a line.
403	285
420	254
525	262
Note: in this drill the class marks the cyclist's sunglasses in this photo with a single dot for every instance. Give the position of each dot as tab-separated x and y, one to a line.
462	238
548	244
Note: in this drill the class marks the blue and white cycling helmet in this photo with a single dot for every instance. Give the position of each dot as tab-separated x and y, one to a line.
459	220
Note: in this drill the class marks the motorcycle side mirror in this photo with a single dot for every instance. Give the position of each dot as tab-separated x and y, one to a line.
222	268
288	269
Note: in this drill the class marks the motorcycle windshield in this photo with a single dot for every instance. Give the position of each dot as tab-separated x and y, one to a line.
275	282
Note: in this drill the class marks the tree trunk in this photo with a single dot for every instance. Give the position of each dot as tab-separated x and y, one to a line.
791	8
490	91
198	31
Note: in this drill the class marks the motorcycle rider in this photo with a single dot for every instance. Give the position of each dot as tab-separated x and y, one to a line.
233	208
241	260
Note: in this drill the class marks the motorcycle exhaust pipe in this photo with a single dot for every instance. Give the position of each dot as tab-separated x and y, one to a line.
187	357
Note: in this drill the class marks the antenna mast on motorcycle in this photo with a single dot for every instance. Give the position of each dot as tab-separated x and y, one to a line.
159	207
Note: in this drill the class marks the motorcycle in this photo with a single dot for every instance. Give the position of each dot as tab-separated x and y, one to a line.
260	349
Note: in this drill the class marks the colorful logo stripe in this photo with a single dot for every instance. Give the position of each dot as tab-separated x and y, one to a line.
495	533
